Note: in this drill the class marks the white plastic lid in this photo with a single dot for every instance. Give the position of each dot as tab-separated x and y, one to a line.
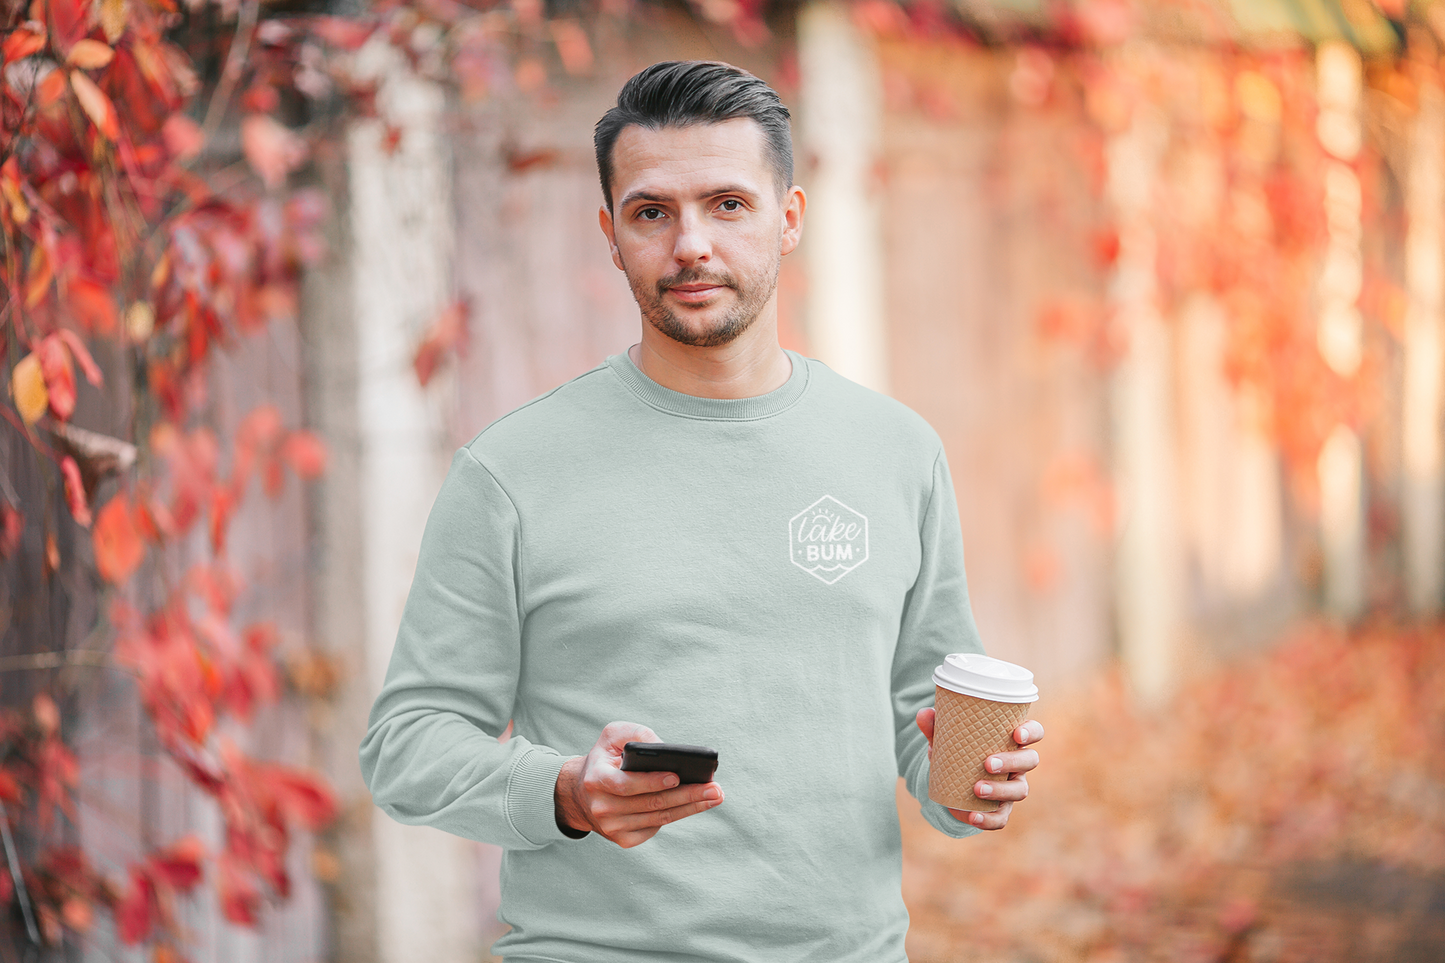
986	678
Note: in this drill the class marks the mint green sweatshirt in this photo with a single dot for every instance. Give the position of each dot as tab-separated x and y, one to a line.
775	577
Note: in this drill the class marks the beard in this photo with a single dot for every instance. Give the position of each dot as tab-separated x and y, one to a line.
749	303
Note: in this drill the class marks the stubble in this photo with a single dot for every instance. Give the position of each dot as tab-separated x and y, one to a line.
749	303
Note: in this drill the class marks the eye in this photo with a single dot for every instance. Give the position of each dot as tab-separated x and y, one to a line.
732	205
650	214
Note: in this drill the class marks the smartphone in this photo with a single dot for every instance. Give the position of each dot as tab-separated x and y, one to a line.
691	763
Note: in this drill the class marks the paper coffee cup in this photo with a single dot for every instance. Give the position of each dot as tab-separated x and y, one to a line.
979	702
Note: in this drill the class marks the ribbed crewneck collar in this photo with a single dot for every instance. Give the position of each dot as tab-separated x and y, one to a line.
720	409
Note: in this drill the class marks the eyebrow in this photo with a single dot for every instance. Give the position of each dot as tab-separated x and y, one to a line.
656	198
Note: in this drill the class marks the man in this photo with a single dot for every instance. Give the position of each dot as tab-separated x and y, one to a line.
719	539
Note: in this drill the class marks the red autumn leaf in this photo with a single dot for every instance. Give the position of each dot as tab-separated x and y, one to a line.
96	104
271	476
179	864
56	771
261	428
50	90
253	678
55	366
191	460
12	527
260	98
69	20
183	136
301	795
75	491
82	357
177	681
217	584
448	332
90	304
240	898
90	54
136	911
272	149
223	507
118	546
152	521
25	40
9	787
305	452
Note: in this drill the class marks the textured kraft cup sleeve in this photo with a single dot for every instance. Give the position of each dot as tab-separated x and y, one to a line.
531	797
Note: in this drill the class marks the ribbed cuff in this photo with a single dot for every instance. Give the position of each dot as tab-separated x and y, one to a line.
531	797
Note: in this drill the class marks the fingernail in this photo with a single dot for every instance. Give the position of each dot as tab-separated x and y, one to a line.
976	819
713	793
670	781
995	764
985	789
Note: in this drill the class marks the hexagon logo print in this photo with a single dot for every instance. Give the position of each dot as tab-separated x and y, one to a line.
828	539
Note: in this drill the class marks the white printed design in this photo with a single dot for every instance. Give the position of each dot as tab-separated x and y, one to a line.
828	539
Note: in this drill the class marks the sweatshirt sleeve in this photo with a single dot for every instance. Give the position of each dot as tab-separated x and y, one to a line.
936	620
430	755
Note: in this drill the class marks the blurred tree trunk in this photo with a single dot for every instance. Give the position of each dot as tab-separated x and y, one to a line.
1424	491
1148	559
1340	333
841	110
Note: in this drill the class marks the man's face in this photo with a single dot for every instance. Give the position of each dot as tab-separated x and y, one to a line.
699	227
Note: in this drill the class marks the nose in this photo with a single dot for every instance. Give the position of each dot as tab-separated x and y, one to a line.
692	245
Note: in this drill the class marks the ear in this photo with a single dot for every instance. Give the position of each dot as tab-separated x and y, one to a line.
793	206
604	220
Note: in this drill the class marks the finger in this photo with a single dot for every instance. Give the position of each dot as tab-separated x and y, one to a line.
1006	790
603	776
925	719
628	840
619	783
681	796
993	820
634	821
1024	760
1029	732
615	735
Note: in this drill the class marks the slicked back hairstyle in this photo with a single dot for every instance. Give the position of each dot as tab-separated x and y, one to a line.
680	93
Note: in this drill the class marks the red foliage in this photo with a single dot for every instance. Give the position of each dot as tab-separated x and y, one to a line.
447	332
118	546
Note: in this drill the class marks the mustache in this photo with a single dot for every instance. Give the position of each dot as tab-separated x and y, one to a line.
695	275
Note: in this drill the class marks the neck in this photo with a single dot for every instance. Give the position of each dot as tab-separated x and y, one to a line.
753	364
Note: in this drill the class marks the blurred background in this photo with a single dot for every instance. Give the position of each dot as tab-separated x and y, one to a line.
1167	277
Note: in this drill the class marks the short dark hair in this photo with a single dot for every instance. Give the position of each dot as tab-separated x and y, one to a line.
679	93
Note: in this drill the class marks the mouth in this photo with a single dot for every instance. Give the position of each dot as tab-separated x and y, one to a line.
696	292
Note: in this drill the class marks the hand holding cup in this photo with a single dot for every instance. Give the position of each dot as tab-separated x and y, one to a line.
978	730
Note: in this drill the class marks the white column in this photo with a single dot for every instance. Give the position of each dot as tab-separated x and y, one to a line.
1341	327
1148	558
1423	532
1232	471
841	115
426	886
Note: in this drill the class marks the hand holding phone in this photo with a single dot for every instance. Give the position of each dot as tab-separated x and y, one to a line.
597	792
